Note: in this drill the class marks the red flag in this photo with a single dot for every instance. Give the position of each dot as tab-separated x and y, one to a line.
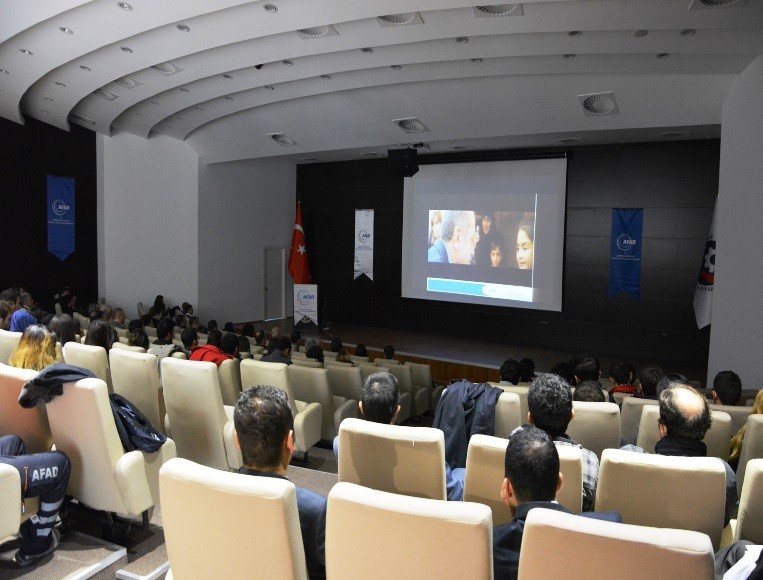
299	267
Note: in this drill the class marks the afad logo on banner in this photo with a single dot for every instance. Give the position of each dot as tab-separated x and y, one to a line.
625	243
305	297
707	271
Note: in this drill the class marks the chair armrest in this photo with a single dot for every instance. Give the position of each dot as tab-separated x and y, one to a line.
232	450
10	501
307	425
132	481
348	409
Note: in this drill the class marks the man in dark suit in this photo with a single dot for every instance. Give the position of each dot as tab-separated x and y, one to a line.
458	240
265	432
532	479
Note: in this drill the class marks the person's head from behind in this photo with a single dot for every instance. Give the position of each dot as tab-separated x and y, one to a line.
215	338
282	344
138	337
247	329
10	295
64	328
133	324
669	380
189	337
107	312
164	329
336	345
459	232
26	300
727	388
315	352
564	370
360	350
159	304
119	315
619	374
229	344
147	321
212	325
6	309
194	322
510	371
259	337
587	368
180	321
36	349
389	352
295	337
684	412
525	245
275	332
101	333
549	401
531	469
187	308
648	379
243	344
589	391
228	327
380	399
526	370
264	428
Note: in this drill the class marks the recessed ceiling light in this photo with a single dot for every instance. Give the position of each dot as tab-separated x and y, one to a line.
227	98
66	30
184	90
395	67
85	68
124	6
477	60
25	51
462	39
170	126
183	28
574	33
126	49
199	108
326	77
367	50
317	32
138	114
569	56
227	76
154	102
3	71
270	8
410	125
47	98
662	55
640	33
180	118
287	62
688	32
166	68
60	84
498	10
597	104
270	87
400	19
108	95
281	139
128	82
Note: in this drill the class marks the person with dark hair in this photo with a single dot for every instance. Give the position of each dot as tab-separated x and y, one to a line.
180	321
158	310
215	338
620	376
229	344
549	402
63	326
247	330
589	391
259	337
190	338
648	379
360	350
525	245
6	309
118	319
244	346
458	239
133	324
531	480
341	354
281	352
101	333
265	433
564	370
669	380
147	321
389	352
315	352
187	309
510	372
22	318
496	253
587	368
295	338
138	337
228	327
107	313
11	296
526	370
212	351
211	325
727	388
163	345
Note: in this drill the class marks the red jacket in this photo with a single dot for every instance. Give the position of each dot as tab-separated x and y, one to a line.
209	353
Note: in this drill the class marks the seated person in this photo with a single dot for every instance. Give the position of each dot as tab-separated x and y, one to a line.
265	433
163	345
649	377
138	337
727	388
526	370
341	353
315	352
281	352
669	380
587	368
360	350
218	348
531	480
565	370
259	337
389	352
509	372
620	377
244	346
247	330
295	338
43	475
101	333
36	349
22	317
190	339
380	403
589	391
735	448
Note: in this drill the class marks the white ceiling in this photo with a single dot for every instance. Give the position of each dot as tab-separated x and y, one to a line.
229	88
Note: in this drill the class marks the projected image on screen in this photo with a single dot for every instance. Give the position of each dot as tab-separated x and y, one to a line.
500	244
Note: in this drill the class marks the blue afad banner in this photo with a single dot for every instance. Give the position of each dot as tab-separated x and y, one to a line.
625	252
61	216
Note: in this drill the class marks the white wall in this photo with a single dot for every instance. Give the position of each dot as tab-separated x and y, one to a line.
244	207
148	215
736	334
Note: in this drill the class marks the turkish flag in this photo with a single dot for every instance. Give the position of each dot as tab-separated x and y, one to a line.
299	267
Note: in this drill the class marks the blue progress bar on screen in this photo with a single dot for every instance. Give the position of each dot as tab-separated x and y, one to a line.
483	289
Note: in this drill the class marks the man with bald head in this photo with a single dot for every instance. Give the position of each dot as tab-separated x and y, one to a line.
458	238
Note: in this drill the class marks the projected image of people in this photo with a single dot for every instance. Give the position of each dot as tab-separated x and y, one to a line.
458	238
525	243
496	254
435	221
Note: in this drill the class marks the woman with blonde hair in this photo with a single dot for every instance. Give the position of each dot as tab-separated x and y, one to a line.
735	448
36	349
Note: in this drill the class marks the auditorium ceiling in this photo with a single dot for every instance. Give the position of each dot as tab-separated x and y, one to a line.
323	80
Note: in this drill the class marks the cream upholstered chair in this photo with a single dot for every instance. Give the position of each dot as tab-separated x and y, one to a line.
120	345
421	396
104	476
136	377
522	392
8	343
717	437
150	332
596	426
485	473
630	416
312	386
307	416
201	426
738	415
84	321
306	362
250	524
359	359
752	448
348	382
571	466
674	492
10	502
229	374
553	542
367	369
369	533
507	414
93	358
122	332
749	523
404	460
329	360
381	361
29	424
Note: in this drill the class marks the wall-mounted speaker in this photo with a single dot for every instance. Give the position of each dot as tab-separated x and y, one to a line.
402	162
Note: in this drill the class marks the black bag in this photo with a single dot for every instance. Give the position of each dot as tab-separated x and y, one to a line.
135	430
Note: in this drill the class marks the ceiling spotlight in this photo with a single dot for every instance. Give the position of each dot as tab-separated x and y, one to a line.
367	50
326	77
60	84
270	87
688	32
180	118
166	68
154	102
170	126
183	28
462	39
574	33
184	90
126	49
281	139
400	19
3	71
568	56
25	51
48	99
395	67
85	68
662	55
477	60
198	108
227	98
227	76
66	30
410	125
287	62
640	33
124	6
270	8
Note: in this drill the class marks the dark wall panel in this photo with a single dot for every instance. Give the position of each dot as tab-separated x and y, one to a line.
675	183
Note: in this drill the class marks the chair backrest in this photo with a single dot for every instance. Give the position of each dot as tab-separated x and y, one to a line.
29	424
717	437
9	341
329	360
522	392
122	332
312	386
422	374
195	411
553	540
119	345
367	369
136	378
507	414
305	362
738	415
664	491
84	321
485	473
357	359
403	375
630	416
571	466
202	512
381	361
752	447
444	539
345	382
750	516
596	426
10	494
93	358
229	374
404	460
256	372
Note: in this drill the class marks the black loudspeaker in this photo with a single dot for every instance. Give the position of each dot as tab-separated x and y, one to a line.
402	162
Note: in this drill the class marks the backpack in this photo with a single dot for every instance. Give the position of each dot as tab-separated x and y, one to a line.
135	430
